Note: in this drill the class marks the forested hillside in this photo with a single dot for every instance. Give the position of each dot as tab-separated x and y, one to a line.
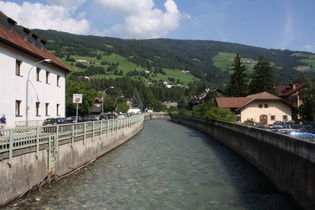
113	57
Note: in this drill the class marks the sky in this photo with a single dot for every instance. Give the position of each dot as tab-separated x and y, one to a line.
271	24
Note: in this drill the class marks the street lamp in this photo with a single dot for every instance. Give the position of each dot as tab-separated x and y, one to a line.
104	92
27	81
118	98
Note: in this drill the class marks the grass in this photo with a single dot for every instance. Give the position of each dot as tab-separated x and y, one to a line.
126	66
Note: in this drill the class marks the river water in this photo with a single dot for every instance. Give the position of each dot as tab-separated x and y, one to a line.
166	166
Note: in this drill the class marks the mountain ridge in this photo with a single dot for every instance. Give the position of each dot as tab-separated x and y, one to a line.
196	56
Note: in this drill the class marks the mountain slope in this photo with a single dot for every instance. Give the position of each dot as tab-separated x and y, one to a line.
201	58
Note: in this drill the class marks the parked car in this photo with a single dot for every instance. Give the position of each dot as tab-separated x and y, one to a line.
49	122
303	135
88	119
73	119
55	121
111	116
103	117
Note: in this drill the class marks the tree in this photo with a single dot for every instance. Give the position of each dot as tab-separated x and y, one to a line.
308	98
88	94
157	106
237	86
137	100
263	78
219	113
122	107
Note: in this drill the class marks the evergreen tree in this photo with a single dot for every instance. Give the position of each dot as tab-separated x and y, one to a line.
263	78
137	100
237	86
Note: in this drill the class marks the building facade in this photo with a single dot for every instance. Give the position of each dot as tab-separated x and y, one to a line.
261	108
33	80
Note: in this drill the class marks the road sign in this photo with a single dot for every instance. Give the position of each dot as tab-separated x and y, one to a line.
77	98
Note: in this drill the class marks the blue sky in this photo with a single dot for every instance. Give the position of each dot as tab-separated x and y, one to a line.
276	24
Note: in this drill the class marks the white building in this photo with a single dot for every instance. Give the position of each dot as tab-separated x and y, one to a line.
32	78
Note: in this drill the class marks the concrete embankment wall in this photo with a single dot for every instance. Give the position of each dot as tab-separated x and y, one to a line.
28	170
158	115
288	162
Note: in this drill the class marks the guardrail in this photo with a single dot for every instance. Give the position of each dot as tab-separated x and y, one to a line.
51	136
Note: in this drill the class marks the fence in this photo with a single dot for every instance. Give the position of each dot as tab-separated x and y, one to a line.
35	138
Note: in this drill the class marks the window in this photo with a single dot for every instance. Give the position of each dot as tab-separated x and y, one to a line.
260	106
47	109
33	39
11	24
272	117
57	109
26	34
18	108
58	80
285	117
266	105
38	74
18	67
42	44
47	77
38	109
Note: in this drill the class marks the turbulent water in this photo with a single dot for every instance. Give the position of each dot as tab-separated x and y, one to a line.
166	166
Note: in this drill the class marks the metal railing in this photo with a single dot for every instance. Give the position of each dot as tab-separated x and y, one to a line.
39	137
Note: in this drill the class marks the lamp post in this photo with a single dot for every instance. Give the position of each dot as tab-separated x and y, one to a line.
27	81
104	92
118	98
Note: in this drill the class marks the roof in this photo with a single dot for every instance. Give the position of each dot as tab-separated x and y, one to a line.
263	96
232	102
289	89
240	102
16	41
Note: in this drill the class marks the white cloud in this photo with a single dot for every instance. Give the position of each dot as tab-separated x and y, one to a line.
45	17
126	8
142	20
309	48
73	4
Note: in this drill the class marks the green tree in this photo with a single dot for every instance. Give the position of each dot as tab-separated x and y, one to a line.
263	78
201	109
109	104
219	113
137	100
122	107
307	109
88	96
157	106
237	86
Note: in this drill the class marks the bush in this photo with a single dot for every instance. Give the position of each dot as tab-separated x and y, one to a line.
219	113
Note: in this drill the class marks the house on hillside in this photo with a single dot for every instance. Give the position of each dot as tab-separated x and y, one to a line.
32	79
291	93
200	98
262	107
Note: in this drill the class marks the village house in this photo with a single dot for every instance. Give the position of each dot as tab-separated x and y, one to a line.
32	79
263	108
292	95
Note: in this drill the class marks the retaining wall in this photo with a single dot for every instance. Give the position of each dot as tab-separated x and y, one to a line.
288	162
29	169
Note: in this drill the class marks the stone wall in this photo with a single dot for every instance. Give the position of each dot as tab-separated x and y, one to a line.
288	162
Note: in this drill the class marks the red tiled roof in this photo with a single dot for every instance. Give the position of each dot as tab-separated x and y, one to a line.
16	42
239	102
232	102
263	96
289	89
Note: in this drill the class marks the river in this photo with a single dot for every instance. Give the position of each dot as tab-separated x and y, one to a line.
166	166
